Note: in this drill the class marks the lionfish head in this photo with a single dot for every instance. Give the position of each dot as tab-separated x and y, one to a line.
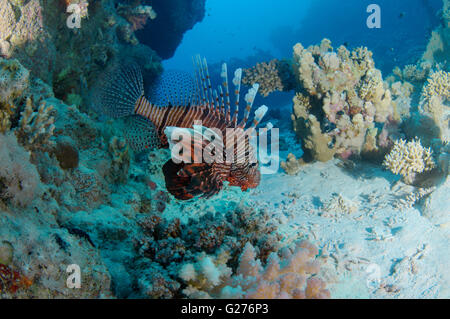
245	176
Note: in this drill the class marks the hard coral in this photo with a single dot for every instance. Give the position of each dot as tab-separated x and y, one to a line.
435	98
272	76
409	159
36	127
341	97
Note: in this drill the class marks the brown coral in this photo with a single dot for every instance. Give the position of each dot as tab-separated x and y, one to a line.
271	76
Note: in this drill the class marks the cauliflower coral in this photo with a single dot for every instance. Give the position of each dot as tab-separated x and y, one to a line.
408	159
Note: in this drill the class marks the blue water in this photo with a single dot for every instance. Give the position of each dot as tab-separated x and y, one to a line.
236	28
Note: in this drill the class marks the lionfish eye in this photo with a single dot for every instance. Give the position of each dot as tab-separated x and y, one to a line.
252	164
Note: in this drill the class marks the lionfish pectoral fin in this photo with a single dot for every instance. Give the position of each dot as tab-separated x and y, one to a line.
185	181
176	184
141	134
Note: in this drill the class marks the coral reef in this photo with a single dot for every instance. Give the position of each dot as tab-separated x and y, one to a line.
170	245
408	159
136	15
289	274
70	60
414	72
342	96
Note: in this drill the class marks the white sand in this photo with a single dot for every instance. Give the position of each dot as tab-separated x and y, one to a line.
364	235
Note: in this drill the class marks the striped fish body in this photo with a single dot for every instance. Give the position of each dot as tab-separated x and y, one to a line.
186	181
125	98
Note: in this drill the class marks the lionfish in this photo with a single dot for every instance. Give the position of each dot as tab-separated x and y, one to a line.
178	101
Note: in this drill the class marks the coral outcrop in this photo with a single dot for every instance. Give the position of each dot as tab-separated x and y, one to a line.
342	97
435	102
36	127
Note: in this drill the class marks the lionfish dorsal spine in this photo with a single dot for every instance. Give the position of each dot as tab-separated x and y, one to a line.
208	82
237	91
222	101
224	75
198	81
249	99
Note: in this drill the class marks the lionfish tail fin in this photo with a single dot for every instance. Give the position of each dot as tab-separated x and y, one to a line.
118	90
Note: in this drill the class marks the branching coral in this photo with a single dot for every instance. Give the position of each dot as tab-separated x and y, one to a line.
288	274
271	76
414	72
409	159
120	165
36	127
341	97
436	95
5	115
13	80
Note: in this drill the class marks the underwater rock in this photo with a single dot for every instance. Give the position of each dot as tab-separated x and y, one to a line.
19	179
68	59
175	17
